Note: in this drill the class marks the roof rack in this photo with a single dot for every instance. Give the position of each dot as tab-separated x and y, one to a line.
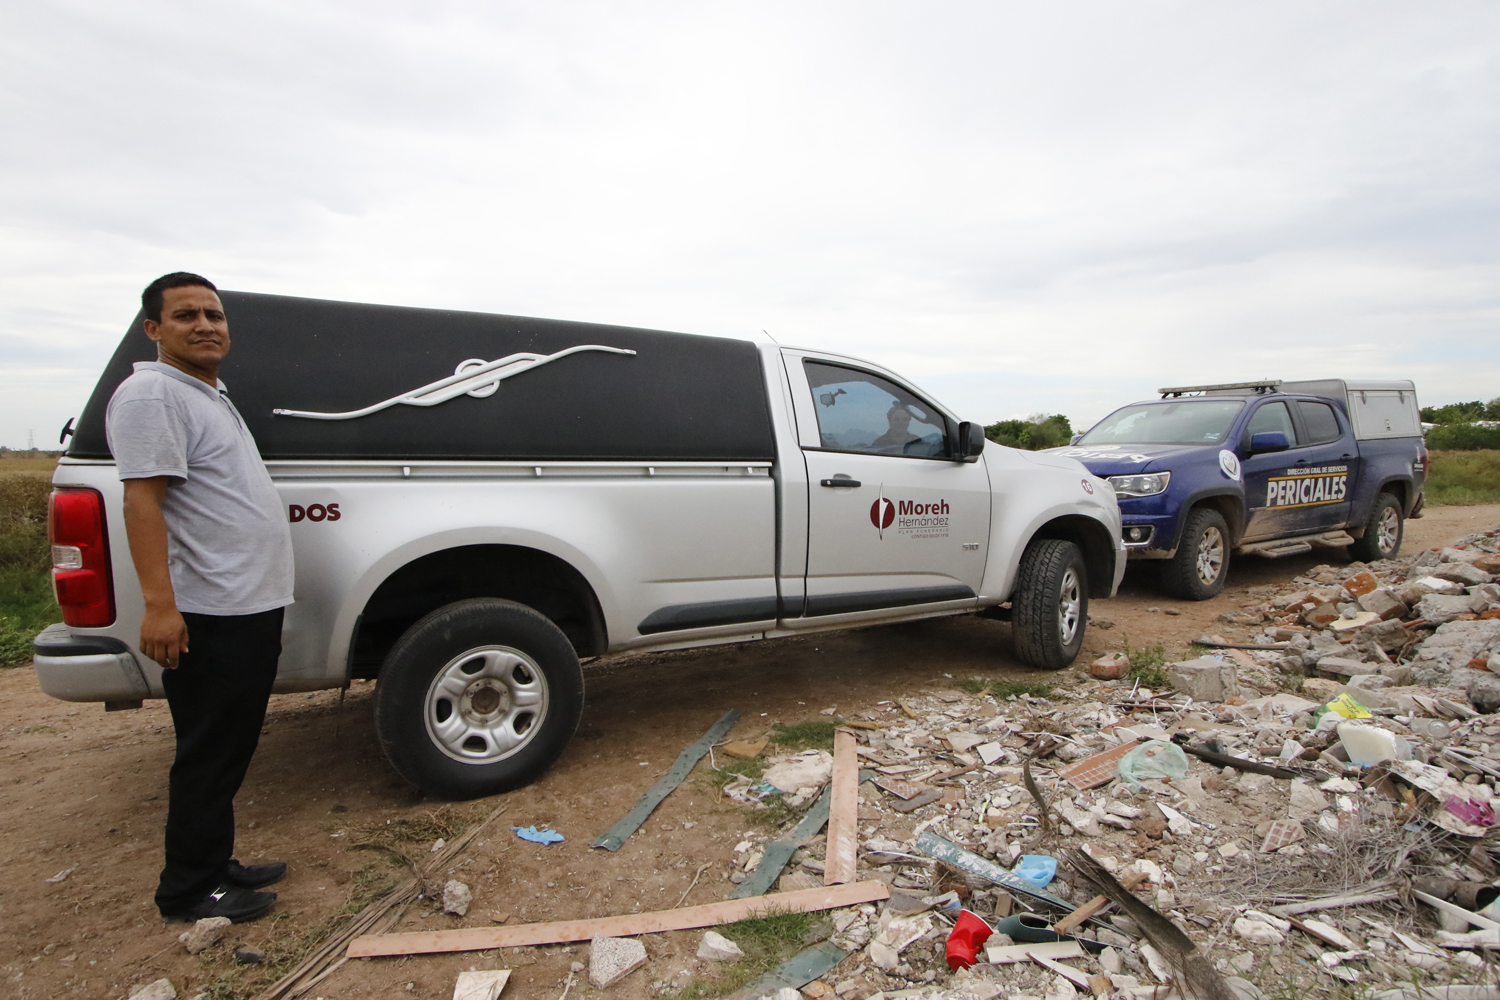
1266	385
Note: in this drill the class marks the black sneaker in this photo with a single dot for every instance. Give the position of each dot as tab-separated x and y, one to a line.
231	901
255	876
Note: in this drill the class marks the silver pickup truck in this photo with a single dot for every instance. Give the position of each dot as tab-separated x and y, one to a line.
479	501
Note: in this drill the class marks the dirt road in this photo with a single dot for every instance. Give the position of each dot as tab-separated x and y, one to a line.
83	798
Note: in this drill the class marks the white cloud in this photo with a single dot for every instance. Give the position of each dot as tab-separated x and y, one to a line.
1026	208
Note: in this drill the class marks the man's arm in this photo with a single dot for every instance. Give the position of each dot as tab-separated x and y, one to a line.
164	634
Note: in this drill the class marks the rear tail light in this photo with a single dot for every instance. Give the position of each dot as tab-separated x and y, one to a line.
80	557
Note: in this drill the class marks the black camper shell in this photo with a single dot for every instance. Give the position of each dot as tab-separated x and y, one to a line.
678	397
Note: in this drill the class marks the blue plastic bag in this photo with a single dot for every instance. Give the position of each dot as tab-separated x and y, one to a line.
1036	868
536	836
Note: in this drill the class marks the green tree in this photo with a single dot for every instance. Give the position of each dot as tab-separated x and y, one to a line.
1035	433
1459	413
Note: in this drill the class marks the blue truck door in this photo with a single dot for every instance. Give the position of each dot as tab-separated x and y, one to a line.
1306	487
1330	459
1265	517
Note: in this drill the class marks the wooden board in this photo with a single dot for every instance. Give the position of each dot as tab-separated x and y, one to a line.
843	809
625	925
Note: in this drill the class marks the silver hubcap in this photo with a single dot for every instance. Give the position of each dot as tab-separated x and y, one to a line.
1210	555
1069	607
485	704
1390	529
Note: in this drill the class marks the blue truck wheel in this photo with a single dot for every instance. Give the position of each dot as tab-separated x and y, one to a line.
1198	570
1383	531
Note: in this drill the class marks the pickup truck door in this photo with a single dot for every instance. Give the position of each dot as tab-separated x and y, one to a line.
1302	489
893	521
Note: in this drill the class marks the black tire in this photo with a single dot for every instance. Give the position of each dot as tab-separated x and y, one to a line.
1201	565
1050	606
478	697
1384	530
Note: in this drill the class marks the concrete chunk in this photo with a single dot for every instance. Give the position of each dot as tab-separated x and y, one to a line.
1463	573
158	989
715	947
1383	603
1204	679
1347	667
1440	610
612	959
204	933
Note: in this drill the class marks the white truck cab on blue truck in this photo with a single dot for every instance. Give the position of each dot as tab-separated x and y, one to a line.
1269	468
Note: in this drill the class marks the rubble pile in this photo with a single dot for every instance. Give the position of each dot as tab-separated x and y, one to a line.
1321	812
1389	629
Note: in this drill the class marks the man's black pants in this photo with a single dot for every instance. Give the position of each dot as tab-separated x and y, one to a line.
218	696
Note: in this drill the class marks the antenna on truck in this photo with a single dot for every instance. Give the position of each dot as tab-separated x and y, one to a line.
1265	386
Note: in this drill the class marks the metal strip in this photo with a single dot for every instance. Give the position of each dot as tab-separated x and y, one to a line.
797	971
614	838
779	852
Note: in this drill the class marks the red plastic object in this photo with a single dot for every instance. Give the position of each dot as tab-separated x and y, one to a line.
80	557
964	940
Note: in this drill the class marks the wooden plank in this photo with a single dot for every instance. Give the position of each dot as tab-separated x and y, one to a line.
614	838
843	809
1069	973
1009	954
1093	906
779	852
624	925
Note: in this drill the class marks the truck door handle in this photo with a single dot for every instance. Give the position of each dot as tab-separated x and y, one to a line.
840	482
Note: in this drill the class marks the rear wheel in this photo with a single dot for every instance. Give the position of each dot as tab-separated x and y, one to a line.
478	697
1198	570
1383	531
1050	609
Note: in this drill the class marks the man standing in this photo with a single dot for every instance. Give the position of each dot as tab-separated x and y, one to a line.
213	552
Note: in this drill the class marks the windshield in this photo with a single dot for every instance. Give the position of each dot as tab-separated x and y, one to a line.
1174	422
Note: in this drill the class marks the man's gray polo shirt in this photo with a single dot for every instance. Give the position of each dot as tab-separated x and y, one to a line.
229	546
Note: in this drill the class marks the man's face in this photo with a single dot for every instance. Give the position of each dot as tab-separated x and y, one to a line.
193	331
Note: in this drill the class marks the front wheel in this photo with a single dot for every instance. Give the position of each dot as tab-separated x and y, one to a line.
478	697
1198	570
1050	608
1383	531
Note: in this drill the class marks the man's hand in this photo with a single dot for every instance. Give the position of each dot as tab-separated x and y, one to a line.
164	635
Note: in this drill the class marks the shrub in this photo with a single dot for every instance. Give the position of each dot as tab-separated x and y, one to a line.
1462	413
1032	434
1463	477
26	605
1463	437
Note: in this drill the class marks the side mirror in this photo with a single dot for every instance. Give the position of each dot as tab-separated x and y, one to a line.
1268	441
970	441
1075	439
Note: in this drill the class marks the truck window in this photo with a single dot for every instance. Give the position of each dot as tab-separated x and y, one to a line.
1318	419
1270	418
1178	422
861	412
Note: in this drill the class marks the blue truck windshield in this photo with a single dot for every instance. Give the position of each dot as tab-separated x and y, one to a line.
1174	422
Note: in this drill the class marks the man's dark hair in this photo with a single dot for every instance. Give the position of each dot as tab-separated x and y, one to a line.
151	298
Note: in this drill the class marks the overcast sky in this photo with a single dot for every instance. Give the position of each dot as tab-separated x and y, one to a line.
1024	207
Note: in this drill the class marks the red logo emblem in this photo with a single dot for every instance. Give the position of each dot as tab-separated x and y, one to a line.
1088	487
882	513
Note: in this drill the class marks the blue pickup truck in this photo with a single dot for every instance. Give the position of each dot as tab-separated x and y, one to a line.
1269	468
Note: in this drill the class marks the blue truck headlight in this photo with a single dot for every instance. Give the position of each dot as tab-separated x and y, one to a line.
1140	486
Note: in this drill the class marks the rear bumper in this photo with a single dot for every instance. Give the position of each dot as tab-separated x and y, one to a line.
86	668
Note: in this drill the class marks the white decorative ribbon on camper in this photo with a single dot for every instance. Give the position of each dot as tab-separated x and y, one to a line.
474	377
